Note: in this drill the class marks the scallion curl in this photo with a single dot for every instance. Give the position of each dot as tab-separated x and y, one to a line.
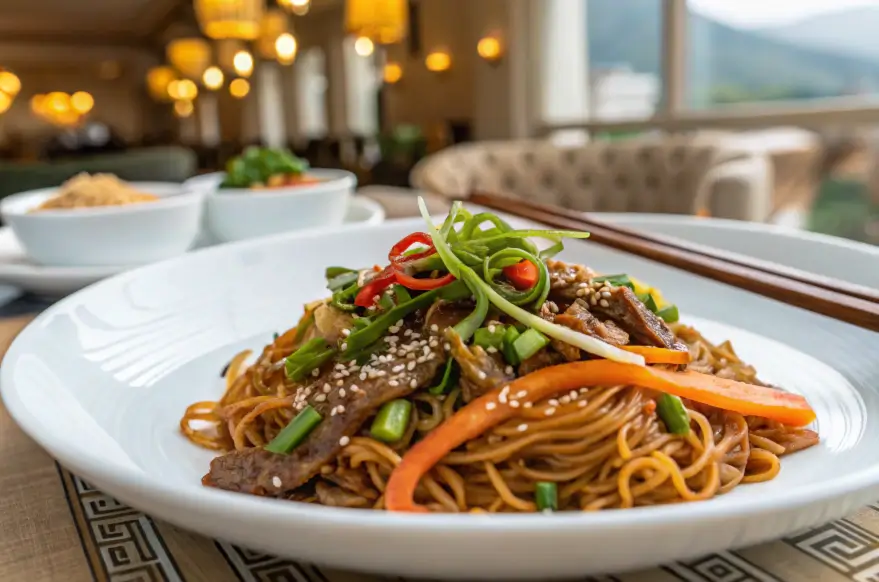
535	296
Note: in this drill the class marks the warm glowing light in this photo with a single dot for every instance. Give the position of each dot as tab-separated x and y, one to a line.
239	88
9	83
37	103
363	46
5	102
243	63
298	7
286	47
82	102
489	48
438	62
230	18
57	102
190	56
382	21
392	73
158	79
183	108
212	78
274	24
182	89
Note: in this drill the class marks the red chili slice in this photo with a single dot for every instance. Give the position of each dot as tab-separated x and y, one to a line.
396	255
423	284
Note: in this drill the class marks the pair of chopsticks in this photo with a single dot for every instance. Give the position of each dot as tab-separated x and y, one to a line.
854	304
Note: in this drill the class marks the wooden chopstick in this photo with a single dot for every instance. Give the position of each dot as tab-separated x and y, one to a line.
853	304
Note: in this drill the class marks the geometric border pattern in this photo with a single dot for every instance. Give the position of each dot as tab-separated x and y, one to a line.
720	567
251	566
844	546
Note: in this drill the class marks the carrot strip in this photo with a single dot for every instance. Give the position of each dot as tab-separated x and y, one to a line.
487	411
654	355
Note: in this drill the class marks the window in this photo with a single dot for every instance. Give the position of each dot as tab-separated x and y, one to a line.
625	56
763	50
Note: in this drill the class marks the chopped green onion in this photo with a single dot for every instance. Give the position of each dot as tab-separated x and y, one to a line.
621	280
295	432
303	327
510	337
468	326
363	338
669	314
362	322
477	287
490	337
311	355
450	377
342	281
341	298
529	343
402	294
673	414
391	421
333	272
386	302
647	300
546	494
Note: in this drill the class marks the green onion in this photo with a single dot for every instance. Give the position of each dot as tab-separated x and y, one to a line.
311	355
490	337
391	421
510	337
333	272
478	287
468	326
546	494
362	322
343	299
450	377
669	314
402	294
386	302
647	300
493	265
363	338
673	414
341	281
295	432
529	343
304	324
621	280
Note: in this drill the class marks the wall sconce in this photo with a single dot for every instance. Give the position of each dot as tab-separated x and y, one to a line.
490	49
438	62
392	73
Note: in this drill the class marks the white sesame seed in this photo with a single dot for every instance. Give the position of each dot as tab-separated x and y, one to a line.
346	332
340	382
553	402
565	399
502	398
573	394
410	366
491	405
399	323
549	411
434	327
315	372
514	404
333	411
521	394
342	393
320	397
355	388
276	481
327	388
339	367
491	350
344	441
582	404
433	343
528	405
580	292
508	370
344	346
447	346
522	427
398	368
413	383
491	328
362	376
482	375
393	383
604	303
340	408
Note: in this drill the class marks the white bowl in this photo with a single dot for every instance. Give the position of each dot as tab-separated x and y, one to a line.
133	234
239	213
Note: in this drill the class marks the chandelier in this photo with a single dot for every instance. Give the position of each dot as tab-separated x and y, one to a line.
273	25
190	56
381	21
230	18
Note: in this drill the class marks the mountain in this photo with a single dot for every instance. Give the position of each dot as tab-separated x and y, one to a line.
735	64
848	32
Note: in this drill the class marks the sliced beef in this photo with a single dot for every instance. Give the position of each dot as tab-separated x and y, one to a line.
579	318
565	280
645	327
346	397
337	497
481	372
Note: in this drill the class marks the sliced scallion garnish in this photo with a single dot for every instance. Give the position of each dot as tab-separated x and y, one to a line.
391	421
546	495
311	355
295	432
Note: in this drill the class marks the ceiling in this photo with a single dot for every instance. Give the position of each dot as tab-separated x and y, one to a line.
125	22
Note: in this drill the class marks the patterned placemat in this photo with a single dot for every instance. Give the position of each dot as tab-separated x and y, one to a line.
54	526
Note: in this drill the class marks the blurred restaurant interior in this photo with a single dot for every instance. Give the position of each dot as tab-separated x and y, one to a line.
618	105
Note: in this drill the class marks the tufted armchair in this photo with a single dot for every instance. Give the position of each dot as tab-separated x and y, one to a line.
657	175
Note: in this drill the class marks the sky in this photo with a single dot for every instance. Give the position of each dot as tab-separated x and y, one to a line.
759	13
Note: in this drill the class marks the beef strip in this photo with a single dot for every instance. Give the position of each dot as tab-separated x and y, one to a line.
261	472
337	497
565	280
579	318
481	372
625	309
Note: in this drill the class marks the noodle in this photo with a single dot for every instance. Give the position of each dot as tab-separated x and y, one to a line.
605	447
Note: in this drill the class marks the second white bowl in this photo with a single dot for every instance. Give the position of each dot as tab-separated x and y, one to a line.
238	213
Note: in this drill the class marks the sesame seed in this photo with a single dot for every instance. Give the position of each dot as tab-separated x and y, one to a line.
327	388
447	346
521	394
502	398
340	408
514	404
553	402
434	327
508	370
490	405
393	329
522	427
605	294
344	441
582	404
399	323
320	397
549	411
573	394
491	328
565	399
340	382
398	368
393	383
276	481
433	343
362	376
581	292
528	405
410	366
604	303
491	350
342	393
482	375
413	383
593	300
315	372
339	367
344	346
333	411
346	332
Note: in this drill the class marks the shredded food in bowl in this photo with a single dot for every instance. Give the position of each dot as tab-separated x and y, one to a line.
87	191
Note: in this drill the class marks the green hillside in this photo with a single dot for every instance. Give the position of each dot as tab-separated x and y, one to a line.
735	64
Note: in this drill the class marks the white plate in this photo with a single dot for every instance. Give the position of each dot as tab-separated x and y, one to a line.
100	380
18	270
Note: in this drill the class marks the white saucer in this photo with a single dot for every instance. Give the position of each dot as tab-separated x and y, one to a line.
18	270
